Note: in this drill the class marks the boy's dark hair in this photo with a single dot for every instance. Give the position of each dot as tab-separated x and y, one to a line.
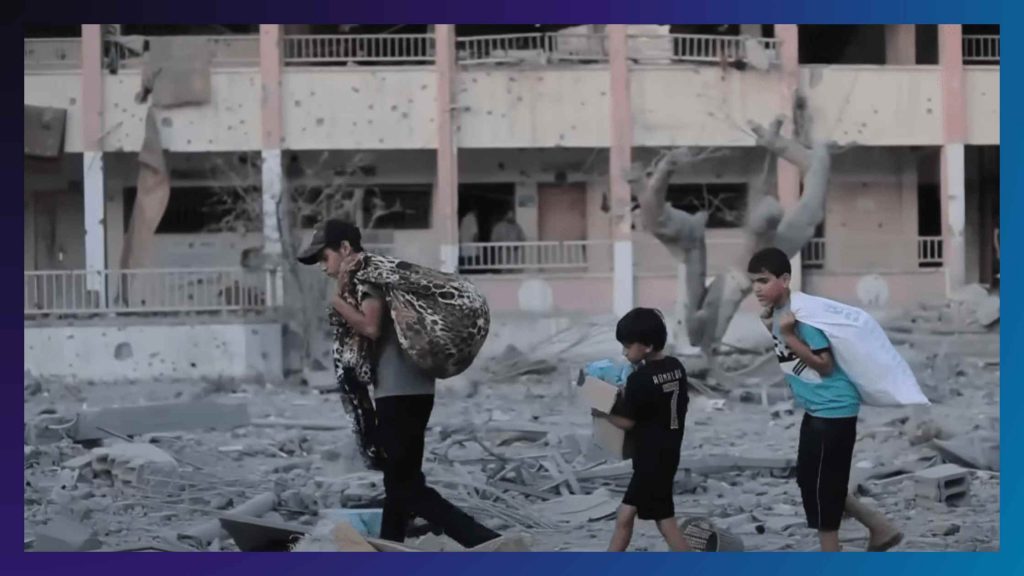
770	260
642	326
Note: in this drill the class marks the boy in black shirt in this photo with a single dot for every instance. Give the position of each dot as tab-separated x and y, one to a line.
652	405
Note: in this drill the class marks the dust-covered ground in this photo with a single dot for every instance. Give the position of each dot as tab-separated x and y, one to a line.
510	442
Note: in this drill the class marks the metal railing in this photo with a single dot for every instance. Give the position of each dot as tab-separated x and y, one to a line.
359	49
53	53
82	292
813	254
696	48
520	256
981	49
538	47
929	251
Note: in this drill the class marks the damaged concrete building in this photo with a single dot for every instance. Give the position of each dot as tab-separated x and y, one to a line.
413	128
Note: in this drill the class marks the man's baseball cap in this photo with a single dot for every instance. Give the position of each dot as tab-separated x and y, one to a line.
330	234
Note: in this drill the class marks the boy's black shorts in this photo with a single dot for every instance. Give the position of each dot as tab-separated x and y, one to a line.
823	468
654	471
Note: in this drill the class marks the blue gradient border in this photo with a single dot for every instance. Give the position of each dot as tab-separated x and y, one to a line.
1009	561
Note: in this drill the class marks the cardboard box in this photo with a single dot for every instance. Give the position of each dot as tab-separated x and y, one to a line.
600	397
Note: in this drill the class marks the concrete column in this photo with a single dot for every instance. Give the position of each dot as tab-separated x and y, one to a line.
788	175
446	190
953	186
92	160
620	158
272	136
901	44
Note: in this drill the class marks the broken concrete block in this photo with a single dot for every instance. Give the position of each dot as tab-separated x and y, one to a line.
131	462
203	534
63	535
987	311
177	70
980	451
947	483
163	417
703	536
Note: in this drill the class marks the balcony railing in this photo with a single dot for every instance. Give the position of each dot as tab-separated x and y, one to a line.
981	49
697	48
82	292
813	254
359	49
533	256
541	48
929	252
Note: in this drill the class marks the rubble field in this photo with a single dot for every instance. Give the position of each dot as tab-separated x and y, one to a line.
510	442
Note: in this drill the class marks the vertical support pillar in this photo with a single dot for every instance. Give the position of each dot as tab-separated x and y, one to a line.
953	173
92	162
620	158
272	177
446	191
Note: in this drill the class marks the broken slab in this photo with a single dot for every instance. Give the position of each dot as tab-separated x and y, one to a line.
130	462
980	452
164	417
252	534
203	534
303	424
64	535
177	71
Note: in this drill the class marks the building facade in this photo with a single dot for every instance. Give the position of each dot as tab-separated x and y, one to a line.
423	127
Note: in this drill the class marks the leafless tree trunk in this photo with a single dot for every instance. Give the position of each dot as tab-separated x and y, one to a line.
710	308
314	192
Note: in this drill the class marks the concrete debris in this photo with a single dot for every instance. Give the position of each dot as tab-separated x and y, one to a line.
980	451
130	463
177	71
948	483
518	456
202	535
64	535
573	510
260	535
91	424
703	536
306	425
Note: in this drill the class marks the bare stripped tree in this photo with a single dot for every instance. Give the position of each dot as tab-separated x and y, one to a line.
312	192
710	308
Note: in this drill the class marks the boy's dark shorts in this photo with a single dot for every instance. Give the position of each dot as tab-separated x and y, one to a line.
823	468
650	490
